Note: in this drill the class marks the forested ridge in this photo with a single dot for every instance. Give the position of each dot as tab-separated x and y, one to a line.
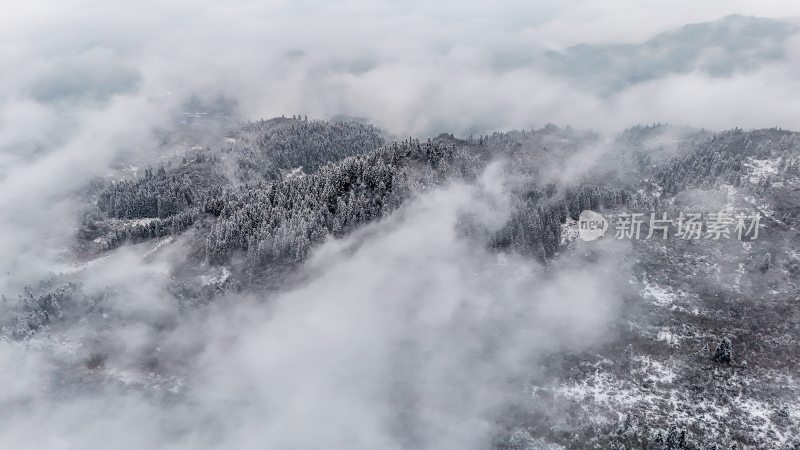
249	217
273	219
263	148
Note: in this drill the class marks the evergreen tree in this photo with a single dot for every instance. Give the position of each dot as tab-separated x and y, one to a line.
724	351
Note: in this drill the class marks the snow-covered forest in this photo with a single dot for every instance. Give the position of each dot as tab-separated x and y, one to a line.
518	227
689	338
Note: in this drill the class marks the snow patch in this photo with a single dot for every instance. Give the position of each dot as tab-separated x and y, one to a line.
288	174
569	231
81	267
761	169
669	337
660	296
656	371
216	279
158	245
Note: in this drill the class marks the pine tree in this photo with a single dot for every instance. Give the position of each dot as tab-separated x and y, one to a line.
765	263
724	351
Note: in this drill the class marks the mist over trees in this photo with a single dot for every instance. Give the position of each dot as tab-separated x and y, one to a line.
347	179
492	225
250	211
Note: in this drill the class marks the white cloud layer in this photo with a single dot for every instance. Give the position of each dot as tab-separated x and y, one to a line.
84	81
405	335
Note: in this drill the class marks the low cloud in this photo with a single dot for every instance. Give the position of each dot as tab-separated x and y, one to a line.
405	334
406	329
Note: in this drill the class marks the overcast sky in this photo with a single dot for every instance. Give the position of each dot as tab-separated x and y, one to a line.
410	66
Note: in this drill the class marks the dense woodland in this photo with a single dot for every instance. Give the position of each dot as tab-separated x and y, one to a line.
405	274
263	148
246	208
347	183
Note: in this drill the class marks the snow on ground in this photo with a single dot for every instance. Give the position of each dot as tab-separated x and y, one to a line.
604	390
159	244
78	267
762	206
659	295
761	417
521	439
288	174
655	371
133	222
669	337
66	270
569	231
761	169
219	278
